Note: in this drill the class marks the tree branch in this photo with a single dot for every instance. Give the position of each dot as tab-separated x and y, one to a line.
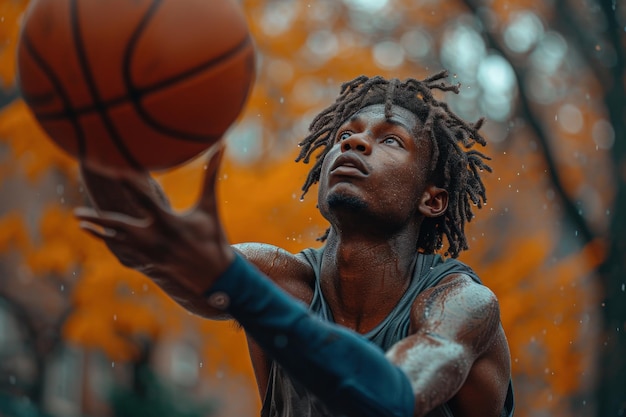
571	211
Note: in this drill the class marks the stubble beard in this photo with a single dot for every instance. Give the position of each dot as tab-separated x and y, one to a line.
345	202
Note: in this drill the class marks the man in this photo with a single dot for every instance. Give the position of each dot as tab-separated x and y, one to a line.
391	328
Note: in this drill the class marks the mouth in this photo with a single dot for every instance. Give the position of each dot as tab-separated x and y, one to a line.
347	164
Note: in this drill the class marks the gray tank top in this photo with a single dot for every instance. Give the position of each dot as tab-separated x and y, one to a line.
288	398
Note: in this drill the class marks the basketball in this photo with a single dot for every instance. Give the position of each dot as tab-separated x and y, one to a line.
142	83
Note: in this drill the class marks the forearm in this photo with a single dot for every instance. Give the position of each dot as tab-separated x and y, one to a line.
343	369
436	367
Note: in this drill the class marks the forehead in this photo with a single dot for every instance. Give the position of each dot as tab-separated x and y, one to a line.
376	113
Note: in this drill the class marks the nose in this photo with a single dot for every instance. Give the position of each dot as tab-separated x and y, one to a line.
357	142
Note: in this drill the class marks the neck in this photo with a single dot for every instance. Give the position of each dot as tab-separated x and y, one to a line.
363	279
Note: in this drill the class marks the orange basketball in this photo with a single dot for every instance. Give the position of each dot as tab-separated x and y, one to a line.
150	83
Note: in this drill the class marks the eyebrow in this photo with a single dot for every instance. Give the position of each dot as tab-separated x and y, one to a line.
391	121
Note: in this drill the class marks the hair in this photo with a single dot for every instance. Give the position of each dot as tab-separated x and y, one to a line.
454	166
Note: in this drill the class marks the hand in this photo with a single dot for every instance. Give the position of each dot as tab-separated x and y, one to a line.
188	250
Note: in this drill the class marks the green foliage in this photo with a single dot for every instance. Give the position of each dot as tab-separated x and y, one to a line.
151	396
13	406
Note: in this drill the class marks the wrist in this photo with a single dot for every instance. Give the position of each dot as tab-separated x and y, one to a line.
228	282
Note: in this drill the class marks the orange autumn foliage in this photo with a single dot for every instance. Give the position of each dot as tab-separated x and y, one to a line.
10	14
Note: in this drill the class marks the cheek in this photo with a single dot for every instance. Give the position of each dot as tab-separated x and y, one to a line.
405	185
327	163
322	183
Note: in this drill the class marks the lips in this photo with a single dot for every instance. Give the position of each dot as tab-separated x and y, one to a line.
348	163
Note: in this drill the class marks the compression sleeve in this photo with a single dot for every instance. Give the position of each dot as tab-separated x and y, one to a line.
346	371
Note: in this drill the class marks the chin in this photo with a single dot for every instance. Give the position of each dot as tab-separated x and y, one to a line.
342	201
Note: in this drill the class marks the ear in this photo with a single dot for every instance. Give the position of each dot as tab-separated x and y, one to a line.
434	201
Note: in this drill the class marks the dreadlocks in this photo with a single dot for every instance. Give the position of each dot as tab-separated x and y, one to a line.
454	167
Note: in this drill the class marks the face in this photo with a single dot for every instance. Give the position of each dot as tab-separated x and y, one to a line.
377	167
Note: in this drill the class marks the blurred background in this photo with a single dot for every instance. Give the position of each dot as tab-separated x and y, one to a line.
82	336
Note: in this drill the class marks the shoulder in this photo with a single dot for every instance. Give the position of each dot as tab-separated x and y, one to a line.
292	272
458	308
462	316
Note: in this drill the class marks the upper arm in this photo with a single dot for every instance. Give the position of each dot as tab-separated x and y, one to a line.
454	326
288	271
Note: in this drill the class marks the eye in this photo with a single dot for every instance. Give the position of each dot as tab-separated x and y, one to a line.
343	136
390	140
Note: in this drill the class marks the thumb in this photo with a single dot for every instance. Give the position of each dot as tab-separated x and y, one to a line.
207	196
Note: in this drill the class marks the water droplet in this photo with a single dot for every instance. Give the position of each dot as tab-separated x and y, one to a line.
112	364
62	287
201	364
114	317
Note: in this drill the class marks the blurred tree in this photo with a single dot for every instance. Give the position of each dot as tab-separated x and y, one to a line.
601	49
151	396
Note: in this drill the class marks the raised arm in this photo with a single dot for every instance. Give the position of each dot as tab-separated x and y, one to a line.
456	338
181	252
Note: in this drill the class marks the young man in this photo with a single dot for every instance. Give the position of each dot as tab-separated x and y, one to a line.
373	323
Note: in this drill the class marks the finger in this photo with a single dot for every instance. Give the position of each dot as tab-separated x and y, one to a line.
97	170
207	198
111	219
84	211
104	234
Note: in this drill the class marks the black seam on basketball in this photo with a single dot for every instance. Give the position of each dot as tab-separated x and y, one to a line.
98	104
135	94
69	112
